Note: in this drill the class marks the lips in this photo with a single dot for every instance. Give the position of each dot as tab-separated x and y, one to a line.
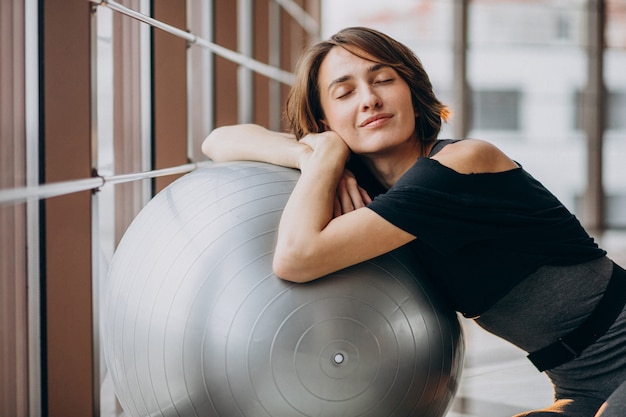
376	120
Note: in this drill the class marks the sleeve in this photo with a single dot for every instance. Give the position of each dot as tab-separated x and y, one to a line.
445	222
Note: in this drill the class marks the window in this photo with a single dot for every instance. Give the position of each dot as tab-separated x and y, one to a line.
615	110
496	110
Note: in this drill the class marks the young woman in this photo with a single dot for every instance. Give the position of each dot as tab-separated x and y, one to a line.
494	241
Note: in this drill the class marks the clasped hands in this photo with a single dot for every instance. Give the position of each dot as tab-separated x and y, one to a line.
349	196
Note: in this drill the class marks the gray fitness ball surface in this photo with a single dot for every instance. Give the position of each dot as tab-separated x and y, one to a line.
195	323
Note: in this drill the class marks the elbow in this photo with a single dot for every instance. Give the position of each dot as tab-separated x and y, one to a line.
284	270
290	268
209	145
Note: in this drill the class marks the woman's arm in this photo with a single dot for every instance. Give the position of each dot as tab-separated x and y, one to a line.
250	142
311	242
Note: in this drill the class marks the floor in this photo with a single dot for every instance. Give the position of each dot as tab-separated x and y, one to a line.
497	381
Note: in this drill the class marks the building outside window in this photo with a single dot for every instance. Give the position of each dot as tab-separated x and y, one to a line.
615	110
496	110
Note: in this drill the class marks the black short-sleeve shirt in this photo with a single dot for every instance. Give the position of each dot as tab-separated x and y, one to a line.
478	235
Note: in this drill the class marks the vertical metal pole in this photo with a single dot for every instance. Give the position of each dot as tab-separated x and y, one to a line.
200	78
275	102
459	82
95	217
594	116
460	89
31	32
145	69
245	33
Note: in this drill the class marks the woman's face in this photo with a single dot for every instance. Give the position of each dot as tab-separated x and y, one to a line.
368	104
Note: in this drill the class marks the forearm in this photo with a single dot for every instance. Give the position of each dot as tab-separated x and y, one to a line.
308	212
253	143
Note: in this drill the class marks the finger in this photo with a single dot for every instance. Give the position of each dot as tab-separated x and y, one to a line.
345	198
356	198
354	192
365	196
337	207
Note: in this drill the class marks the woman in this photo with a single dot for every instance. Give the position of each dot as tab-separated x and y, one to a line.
494	241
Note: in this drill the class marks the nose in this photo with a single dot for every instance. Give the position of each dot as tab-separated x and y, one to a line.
369	98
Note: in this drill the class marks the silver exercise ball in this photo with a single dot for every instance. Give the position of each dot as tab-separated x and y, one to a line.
196	324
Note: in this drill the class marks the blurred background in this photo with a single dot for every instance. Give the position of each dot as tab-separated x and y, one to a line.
527	71
102	107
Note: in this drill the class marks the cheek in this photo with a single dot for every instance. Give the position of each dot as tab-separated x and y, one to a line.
338	117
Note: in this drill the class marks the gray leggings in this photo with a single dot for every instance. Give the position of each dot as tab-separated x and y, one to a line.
616	404
550	303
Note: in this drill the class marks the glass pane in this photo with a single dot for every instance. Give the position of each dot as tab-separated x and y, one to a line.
615	137
496	110
527	60
616	24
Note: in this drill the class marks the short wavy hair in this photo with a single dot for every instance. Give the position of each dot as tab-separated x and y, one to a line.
304	111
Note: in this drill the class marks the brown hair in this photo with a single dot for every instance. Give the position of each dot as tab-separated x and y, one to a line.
304	111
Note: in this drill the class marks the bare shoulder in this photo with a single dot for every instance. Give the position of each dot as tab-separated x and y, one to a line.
474	156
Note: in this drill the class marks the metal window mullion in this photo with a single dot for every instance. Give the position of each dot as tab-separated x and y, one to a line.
31	53
256	66
594	114
210	62
245	33
275	102
461	94
96	279
145	64
190	130
200	90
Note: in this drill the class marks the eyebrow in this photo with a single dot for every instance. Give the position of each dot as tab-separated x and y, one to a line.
342	79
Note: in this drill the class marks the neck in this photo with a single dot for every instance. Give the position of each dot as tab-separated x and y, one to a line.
388	168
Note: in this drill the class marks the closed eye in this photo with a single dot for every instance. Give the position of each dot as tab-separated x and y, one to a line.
344	94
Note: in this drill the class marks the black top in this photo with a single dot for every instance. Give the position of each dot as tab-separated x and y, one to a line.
478	235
